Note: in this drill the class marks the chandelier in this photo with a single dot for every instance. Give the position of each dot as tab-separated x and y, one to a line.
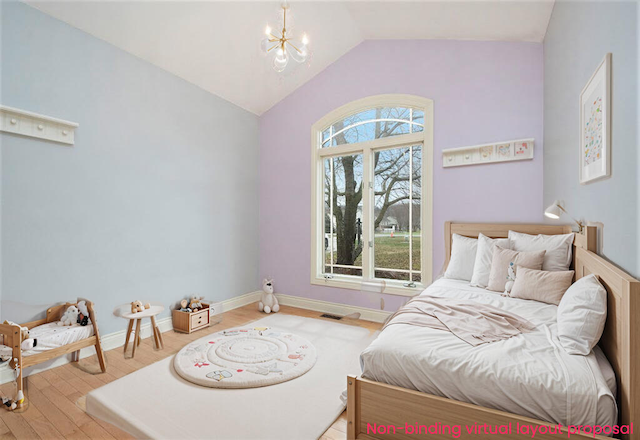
283	45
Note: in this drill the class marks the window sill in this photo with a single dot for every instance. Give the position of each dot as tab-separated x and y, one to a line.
391	288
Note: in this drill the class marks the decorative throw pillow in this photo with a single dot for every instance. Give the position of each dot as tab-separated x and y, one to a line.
541	285
505	261
482	266
582	314
463	257
558	247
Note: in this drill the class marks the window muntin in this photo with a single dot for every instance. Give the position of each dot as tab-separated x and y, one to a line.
371	124
397	205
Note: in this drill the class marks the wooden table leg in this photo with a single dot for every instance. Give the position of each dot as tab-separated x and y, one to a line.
160	336
154	333
136	341
129	328
157	336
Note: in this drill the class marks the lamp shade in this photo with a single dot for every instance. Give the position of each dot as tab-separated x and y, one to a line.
553	211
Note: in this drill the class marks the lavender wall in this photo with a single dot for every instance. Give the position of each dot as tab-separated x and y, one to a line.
482	92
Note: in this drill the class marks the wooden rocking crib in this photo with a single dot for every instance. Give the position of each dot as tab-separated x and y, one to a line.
13	338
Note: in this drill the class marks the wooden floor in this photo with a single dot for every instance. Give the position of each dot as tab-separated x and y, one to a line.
55	397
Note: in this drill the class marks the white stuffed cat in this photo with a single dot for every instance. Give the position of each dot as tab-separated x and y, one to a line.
511	278
70	316
268	301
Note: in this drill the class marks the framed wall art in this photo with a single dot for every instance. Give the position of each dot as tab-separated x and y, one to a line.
595	125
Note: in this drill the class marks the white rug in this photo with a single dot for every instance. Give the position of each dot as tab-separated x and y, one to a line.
245	357
154	402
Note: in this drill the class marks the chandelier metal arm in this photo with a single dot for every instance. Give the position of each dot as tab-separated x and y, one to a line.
284	44
292	45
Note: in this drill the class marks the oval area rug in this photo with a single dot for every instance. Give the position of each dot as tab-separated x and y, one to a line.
245	357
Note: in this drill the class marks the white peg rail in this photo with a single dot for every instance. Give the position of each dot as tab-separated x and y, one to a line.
506	151
31	124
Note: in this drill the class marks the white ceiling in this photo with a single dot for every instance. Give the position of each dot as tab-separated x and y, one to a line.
216	45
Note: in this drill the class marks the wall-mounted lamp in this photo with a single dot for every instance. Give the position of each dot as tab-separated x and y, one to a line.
555	210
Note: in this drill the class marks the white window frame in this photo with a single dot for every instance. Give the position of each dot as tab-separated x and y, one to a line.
318	154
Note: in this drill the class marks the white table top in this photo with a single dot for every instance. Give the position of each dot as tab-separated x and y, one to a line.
147	313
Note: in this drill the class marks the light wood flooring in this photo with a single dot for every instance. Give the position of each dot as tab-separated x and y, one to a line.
55	397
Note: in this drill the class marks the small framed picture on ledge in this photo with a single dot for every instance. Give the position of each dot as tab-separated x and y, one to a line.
595	125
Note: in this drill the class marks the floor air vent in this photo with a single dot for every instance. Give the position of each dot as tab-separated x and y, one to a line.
328	315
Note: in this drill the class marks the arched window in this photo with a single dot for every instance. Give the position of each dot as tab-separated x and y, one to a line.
371	183
374	123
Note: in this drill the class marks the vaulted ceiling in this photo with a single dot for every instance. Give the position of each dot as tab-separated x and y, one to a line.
216	45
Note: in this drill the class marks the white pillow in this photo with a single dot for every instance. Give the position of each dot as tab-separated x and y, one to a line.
558	247
463	257
582	313
482	265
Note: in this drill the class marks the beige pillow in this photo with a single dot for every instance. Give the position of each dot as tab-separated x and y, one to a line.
504	258
541	285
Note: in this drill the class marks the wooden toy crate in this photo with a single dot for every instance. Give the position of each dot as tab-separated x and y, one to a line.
186	322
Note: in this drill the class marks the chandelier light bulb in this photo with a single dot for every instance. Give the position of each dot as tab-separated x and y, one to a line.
280	61
298	53
305	39
267	31
264	44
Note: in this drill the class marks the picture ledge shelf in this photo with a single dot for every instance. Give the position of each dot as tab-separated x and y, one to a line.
34	125
505	151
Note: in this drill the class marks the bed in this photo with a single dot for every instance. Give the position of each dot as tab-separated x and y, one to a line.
51	336
397	389
528	375
53	340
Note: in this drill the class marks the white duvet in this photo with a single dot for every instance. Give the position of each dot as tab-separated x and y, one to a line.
529	374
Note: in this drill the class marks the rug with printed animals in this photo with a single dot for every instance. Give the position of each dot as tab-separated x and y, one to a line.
245	357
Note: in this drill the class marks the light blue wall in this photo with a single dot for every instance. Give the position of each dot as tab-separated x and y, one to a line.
157	199
578	37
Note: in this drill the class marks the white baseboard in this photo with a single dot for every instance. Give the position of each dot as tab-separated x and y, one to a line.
333	308
116	339
242	300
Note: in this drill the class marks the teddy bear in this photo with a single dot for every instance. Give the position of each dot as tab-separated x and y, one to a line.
70	316
184	306
195	303
136	306
268	301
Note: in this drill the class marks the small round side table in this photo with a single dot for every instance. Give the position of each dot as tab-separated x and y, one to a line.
150	313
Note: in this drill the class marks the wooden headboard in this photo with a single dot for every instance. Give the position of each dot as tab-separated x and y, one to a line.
621	338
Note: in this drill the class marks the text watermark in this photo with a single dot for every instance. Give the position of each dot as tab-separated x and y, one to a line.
457	431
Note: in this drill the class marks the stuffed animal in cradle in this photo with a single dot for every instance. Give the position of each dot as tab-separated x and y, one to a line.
83	316
27	342
136	306
70	316
511	278
268	301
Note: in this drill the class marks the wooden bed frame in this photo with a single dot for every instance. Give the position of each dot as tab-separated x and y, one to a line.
372	402
13	338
